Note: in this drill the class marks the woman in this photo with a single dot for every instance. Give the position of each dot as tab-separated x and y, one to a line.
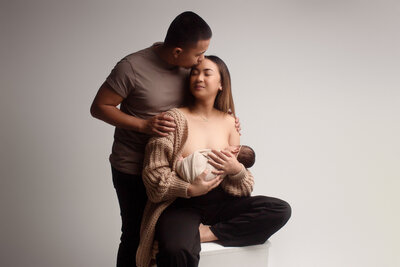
179	215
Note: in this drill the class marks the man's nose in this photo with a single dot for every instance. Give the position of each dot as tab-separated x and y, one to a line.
200	58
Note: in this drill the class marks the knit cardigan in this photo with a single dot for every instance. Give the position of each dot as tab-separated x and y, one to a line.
163	185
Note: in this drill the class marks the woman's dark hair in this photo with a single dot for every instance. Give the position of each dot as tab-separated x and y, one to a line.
186	30
224	99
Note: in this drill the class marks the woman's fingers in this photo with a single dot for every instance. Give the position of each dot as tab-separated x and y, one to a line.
227	153
216	165
215	182
217	172
216	157
220	154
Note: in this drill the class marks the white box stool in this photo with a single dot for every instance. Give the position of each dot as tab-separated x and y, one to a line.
214	255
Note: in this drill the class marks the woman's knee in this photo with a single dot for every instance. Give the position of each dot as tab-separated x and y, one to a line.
275	208
286	211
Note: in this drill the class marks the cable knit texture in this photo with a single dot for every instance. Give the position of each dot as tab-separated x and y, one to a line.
163	185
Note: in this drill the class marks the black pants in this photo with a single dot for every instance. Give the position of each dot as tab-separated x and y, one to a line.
132	199
236	221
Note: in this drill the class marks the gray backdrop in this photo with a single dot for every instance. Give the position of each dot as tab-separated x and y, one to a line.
316	85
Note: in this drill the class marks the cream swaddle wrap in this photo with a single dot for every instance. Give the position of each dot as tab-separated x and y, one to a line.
194	164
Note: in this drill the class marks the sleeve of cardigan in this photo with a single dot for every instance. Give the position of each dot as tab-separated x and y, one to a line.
240	184
160	181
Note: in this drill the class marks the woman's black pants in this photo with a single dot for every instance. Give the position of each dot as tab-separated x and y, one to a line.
235	221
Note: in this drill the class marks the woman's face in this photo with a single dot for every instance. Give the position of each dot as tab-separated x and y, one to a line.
205	80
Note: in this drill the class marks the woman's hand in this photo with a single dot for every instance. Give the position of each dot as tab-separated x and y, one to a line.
225	162
160	124
200	186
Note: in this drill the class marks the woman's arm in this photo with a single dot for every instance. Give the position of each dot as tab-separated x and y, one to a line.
160	181
240	182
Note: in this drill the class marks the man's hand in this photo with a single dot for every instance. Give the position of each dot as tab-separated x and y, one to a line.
237	123
200	186
225	162
160	125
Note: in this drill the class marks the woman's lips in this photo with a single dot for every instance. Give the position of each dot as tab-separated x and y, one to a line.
198	87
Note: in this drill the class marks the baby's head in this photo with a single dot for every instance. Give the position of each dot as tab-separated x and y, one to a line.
244	155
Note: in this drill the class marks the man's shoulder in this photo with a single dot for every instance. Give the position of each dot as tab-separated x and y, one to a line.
141	55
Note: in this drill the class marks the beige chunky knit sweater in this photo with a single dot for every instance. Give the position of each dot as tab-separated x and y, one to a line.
163	185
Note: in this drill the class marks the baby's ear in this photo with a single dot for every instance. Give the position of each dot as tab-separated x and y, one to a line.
235	150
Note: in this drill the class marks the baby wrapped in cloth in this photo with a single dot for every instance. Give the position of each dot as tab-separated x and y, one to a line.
190	167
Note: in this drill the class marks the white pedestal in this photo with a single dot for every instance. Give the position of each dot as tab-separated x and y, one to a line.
214	255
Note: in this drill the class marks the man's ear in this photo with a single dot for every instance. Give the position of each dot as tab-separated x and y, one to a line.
176	52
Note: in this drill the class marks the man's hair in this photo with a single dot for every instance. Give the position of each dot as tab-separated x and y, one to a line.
186	30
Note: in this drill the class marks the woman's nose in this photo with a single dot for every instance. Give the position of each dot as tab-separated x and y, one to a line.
200	77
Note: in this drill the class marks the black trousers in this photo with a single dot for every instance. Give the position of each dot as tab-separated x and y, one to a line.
132	199
236	221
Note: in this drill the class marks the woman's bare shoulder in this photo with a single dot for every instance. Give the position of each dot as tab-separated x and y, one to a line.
184	110
229	119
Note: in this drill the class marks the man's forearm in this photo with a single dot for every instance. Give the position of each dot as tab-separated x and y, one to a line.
117	118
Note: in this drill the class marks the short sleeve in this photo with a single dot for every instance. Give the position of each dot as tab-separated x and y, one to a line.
122	78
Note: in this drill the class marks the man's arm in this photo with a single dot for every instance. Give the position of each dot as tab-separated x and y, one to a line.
104	107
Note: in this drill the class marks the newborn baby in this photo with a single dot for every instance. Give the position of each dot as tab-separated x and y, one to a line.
193	165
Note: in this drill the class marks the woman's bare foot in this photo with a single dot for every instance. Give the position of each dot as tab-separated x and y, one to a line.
205	234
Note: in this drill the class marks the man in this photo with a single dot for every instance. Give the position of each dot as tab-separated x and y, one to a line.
146	84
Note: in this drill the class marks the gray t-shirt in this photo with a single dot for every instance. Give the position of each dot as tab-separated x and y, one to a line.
149	86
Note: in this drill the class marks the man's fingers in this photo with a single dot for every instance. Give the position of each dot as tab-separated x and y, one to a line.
167	117
159	133
165	129
167	123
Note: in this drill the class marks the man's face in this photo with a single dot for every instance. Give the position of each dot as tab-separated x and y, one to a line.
192	56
